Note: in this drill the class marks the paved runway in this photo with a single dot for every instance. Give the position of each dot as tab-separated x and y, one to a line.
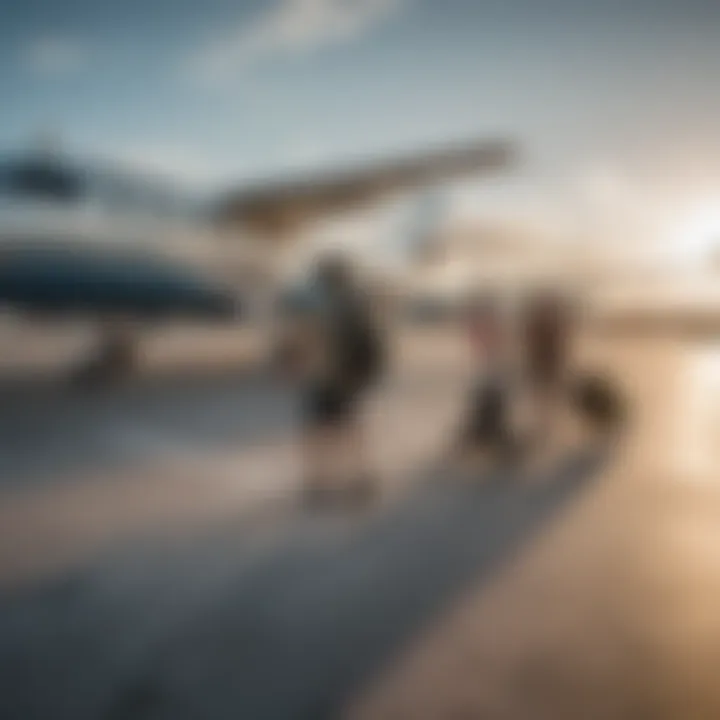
612	612
56	435
289	627
141	579
82	472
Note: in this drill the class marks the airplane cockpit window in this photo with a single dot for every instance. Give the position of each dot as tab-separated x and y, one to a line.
37	180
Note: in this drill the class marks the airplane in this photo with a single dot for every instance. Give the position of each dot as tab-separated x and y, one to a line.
80	239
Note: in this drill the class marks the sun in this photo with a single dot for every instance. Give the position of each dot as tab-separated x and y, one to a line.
697	239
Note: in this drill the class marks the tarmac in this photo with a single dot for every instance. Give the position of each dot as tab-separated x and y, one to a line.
155	562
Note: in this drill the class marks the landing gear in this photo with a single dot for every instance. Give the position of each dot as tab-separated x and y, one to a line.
116	357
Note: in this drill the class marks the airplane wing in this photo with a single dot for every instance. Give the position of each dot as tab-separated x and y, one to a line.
277	208
62	277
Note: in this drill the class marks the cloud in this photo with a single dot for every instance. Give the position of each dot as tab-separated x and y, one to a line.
289	28
54	56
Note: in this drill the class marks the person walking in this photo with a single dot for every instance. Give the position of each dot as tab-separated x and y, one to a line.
547	335
347	360
488	423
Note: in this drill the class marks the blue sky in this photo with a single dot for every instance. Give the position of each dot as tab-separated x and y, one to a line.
215	89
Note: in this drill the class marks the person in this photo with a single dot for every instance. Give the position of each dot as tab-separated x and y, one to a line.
487	424
346	350
547	335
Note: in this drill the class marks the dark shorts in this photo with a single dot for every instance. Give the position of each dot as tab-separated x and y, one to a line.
327	405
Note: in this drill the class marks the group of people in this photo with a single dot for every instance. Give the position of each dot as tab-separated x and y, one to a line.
339	352
522	354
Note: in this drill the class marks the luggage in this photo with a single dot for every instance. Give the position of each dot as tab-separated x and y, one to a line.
599	401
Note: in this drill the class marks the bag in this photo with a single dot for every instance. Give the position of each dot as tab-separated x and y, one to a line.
599	400
360	350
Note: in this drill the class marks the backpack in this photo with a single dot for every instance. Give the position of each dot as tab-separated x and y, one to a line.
359	349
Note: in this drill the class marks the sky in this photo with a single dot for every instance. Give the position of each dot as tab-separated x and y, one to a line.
614	104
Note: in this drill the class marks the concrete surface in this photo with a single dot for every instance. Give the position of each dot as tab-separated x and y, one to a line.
142	580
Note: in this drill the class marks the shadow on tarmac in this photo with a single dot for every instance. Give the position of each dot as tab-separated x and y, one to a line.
50	431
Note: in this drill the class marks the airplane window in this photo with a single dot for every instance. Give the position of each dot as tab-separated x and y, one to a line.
42	181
